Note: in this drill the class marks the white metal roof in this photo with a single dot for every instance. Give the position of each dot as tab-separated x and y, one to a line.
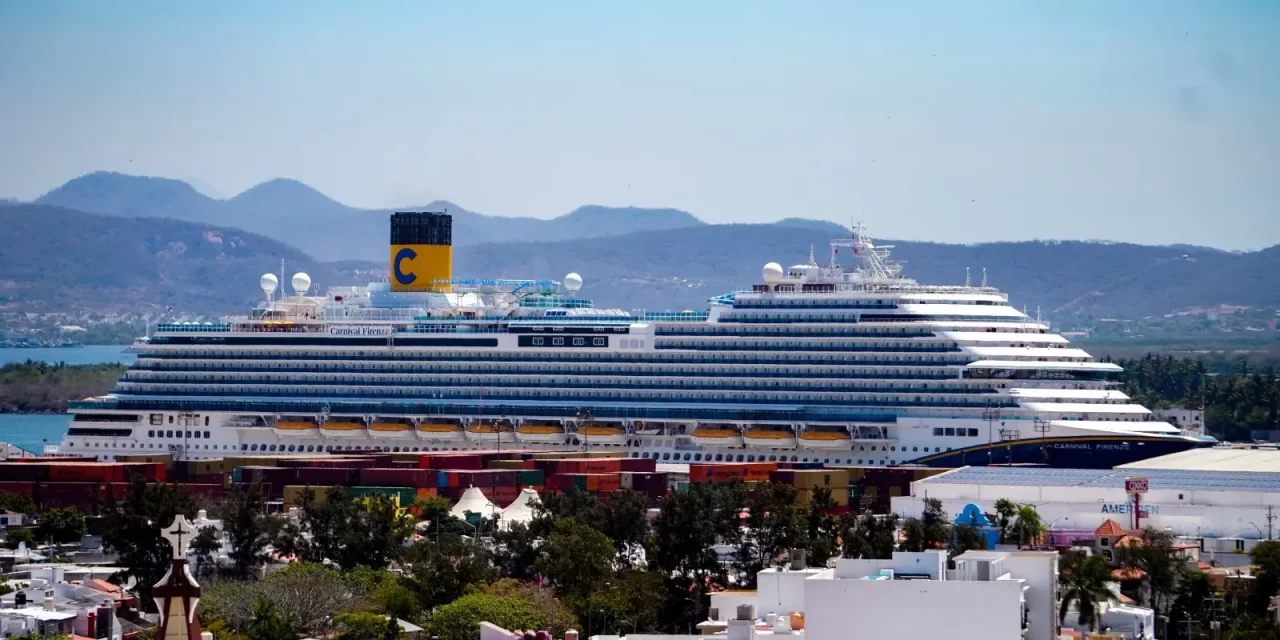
1081	407
1026	352
1214	459
37	613
1091	394
987	336
1035	364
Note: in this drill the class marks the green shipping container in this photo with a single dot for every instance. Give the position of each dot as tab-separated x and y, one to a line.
530	478
405	495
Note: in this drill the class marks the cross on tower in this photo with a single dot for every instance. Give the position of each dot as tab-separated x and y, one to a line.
179	535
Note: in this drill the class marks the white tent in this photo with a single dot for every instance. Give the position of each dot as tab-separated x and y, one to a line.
522	509
473	500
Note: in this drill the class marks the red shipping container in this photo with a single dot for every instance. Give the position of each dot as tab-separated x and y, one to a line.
640	465
601	465
452	460
393	477
20	488
23	472
325	476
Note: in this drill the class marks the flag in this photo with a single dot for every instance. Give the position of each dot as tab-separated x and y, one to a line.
170	308
855	251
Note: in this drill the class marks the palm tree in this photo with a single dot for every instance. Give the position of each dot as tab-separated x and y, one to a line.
1028	525
1083	579
1006	510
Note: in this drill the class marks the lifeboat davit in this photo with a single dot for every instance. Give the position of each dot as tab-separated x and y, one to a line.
390	429
343	428
491	432
549	433
446	431
717	436
770	437
296	428
825	439
593	433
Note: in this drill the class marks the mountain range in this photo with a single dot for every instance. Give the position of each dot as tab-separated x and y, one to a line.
327	229
125	242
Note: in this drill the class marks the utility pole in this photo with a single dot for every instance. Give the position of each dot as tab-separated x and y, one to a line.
1270	516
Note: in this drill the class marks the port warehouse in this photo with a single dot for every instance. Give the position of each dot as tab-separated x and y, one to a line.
500	475
1227	497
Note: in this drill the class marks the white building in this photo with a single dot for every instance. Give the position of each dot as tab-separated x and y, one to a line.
990	594
1189	419
1204	503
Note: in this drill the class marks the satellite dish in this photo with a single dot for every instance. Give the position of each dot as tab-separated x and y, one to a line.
268	282
301	283
572	283
772	273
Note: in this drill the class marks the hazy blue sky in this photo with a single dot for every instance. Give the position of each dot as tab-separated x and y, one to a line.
1152	121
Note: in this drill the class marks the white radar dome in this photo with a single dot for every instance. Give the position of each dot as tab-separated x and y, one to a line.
268	282
572	282
301	283
772	273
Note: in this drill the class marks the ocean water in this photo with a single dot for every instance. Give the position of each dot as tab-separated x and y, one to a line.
90	354
31	430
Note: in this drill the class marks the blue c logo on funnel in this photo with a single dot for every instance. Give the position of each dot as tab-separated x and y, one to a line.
402	255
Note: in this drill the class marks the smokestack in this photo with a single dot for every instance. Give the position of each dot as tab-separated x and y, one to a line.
421	251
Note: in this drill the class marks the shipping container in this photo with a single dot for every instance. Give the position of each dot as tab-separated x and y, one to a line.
24	472
729	471
21	488
295	495
530	478
340	476
404	496
639	465
393	477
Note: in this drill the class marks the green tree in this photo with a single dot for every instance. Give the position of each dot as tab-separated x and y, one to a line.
442	571
385	593
247	530
822	529
309	596
516	551
1159	563
929	531
575	558
367	531
626	520
131	528
868	535
268	624
1028	527
204	546
1083	582
774	525
435	511
629	603
61	525
560	617
460	619
14	537
17	503
360	625
964	538
1266	562
690	523
1006	512
576	504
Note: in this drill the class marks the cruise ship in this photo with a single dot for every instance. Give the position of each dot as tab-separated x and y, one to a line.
849	362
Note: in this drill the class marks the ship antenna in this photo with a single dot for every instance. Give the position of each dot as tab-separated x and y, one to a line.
812	261
984	277
282	278
966	277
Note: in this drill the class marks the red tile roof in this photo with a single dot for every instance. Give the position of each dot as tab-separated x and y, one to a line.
1110	529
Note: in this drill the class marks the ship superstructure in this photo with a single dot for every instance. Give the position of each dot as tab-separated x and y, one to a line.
850	362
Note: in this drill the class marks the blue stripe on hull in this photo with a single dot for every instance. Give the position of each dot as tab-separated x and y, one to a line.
1068	453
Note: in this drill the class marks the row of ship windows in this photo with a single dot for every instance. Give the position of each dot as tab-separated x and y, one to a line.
348	390
540	358
665	456
591	382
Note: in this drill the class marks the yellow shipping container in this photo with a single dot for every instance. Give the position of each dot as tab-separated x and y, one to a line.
839	496
293	494
815	478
